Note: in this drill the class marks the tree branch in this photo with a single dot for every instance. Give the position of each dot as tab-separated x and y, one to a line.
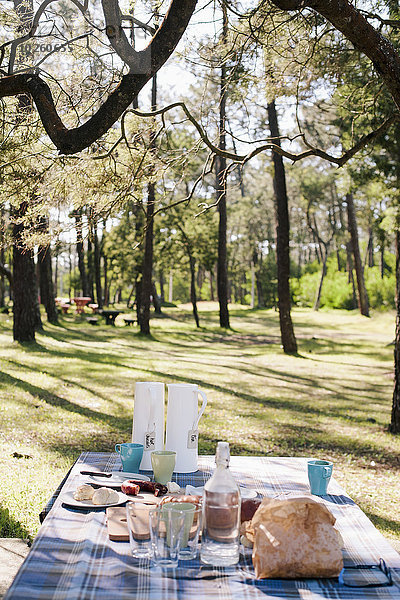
349	21
70	141
243	158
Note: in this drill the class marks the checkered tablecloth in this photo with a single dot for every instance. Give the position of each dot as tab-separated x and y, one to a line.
73	558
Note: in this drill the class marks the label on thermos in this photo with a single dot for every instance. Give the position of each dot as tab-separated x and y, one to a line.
150	440
193	436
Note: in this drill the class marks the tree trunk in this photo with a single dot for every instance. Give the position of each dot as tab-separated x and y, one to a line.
282	240
128	302
2	280
46	283
253	286
162	292
90	266
352	225
193	297
156	299
350	278
105	271
171	287
382	254
138	285
370	248
147	269
222	263
97	267
25	294
321	281
257	261
395	420
81	254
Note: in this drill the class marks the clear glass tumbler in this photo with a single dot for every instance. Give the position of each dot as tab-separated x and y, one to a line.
192	527
167	531
137	516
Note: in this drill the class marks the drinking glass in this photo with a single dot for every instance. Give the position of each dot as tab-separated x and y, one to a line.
137	516
166	530
191	529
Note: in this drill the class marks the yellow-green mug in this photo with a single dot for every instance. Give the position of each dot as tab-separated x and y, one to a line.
163	463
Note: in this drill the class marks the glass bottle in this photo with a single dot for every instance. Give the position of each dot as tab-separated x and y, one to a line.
221	514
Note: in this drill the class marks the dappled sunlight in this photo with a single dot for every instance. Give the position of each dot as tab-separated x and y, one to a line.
77	386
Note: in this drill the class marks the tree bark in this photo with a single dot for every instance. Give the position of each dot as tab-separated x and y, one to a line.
352	224
282	239
222	262
395	420
25	294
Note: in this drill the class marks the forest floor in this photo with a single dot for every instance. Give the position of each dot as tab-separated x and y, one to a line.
73	391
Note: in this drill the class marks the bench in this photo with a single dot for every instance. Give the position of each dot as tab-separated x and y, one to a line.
129	321
92	320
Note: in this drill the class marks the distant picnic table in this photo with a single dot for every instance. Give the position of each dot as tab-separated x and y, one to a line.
110	315
80	302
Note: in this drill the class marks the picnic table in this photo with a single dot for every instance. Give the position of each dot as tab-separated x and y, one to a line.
72	556
109	315
80	303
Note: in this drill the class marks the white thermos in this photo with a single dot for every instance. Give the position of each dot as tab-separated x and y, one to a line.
148	419
183	418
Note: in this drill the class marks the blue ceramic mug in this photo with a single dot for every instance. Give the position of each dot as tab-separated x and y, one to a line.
319	474
131	456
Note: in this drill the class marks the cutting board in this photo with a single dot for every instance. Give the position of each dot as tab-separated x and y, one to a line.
117	525
116	519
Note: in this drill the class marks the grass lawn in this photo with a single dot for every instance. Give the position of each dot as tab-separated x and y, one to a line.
73	391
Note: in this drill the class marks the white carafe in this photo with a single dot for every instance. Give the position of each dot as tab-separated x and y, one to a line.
148	419
183	418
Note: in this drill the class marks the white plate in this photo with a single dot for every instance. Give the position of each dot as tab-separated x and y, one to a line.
68	498
116	478
245	493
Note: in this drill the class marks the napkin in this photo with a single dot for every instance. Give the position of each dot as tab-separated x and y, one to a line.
190	490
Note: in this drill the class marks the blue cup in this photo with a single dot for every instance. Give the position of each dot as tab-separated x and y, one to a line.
131	456
319	474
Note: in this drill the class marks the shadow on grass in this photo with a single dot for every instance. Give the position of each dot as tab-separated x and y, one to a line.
120	423
383	523
9	527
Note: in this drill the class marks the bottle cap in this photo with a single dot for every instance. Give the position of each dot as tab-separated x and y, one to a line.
222	454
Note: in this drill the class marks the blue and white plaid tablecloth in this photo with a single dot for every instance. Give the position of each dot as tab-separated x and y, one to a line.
72	557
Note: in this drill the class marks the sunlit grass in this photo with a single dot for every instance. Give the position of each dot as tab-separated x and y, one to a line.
73	391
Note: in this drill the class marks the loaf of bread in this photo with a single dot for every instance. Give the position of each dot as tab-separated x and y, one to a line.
294	538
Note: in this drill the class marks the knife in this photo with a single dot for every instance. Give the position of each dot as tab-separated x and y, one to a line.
96	473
